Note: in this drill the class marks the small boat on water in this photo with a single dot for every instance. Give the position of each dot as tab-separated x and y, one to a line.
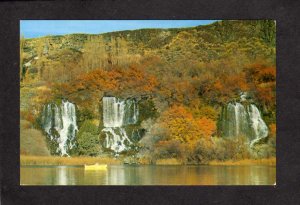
96	167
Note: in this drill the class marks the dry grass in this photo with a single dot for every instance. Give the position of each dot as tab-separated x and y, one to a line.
170	161
269	161
44	160
53	160
32	141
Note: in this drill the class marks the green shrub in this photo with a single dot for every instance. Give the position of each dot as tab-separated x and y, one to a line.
147	110
88	142
83	115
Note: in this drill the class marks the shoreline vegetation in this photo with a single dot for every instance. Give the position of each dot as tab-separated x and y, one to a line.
55	161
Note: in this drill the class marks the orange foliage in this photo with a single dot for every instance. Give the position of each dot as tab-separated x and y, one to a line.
181	125
177	111
268	74
263	79
265	95
260	73
273	129
117	80
227	86
218	85
208	126
26	115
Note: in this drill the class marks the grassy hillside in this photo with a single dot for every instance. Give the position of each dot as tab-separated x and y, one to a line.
32	141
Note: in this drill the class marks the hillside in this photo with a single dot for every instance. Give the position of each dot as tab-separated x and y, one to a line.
255	39
182	80
32	141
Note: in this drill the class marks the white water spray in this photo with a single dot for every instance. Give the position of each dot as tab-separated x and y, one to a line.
63	121
118	113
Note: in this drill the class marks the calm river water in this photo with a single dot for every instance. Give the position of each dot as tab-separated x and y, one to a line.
149	175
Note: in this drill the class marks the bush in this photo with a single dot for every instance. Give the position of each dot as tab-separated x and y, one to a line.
265	150
168	149
88	142
203	151
235	148
84	114
147	110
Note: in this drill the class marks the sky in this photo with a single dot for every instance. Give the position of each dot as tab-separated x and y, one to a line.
38	28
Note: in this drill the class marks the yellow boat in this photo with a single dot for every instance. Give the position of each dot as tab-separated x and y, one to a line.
96	167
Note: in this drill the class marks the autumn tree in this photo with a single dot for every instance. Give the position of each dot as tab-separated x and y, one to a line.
182	126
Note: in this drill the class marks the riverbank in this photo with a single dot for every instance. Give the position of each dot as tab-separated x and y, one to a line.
269	161
55	160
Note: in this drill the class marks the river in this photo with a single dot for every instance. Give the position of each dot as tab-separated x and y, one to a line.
149	175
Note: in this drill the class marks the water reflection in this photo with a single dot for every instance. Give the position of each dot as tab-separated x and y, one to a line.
61	176
149	175
94	177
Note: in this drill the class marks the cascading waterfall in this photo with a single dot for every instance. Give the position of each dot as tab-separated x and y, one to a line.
117	114
116	139
259	126
235	119
60	125
243	120
113	112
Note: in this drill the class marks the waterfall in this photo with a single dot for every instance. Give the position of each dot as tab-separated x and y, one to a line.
117	114
234	119
242	120
259	126
60	125
113	112
116	139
